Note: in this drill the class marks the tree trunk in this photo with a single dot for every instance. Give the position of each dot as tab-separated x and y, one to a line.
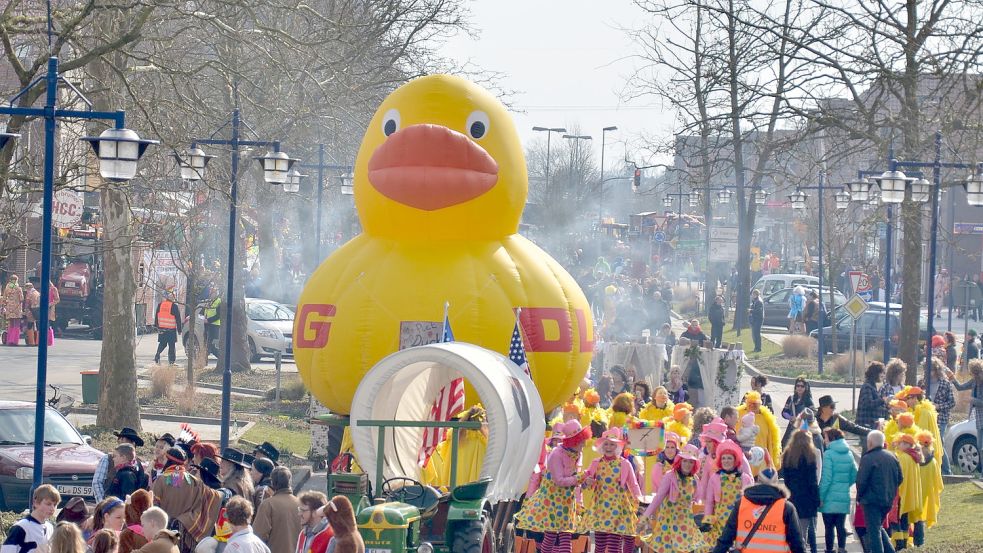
118	405
240	342
911	291
269	269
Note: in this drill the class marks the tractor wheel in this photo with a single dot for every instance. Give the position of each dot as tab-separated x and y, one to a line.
473	537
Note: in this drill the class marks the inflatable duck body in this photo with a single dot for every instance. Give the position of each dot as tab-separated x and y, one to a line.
440	183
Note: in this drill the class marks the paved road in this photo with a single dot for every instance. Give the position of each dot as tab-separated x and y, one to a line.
66	358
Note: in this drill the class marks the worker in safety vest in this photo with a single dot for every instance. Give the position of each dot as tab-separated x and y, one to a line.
779	527
213	321
167	319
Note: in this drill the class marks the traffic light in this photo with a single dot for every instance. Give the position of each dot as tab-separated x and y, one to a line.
637	181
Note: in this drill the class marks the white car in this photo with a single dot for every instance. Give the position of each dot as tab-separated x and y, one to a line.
270	329
961	445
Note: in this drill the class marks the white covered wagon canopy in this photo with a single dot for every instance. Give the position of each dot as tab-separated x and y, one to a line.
402	387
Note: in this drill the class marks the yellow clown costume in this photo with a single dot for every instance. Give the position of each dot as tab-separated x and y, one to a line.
471	446
680	422
926	417
768	437
931	477
910	494
652	412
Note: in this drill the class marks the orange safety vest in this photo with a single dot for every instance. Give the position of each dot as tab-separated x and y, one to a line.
770	535
165	319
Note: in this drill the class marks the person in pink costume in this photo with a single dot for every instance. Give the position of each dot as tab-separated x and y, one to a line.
723	488
665	458
616	496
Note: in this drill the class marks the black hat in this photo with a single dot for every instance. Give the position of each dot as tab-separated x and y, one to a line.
264	466
267	450
248	459
827	401
235	457
131	435
75	511
208	471
167	438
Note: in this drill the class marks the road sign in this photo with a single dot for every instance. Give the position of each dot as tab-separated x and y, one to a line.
967	228
66	211
659	236
856	306
860	282
723	244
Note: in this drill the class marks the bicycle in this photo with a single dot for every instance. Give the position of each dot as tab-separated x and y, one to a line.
63	403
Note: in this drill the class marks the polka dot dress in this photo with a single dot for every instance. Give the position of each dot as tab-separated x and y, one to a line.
614	510
674	530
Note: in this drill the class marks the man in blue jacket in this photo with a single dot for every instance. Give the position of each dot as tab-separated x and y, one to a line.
877	483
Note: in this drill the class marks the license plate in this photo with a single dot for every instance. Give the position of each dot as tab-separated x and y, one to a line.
378	551
69	284
75	490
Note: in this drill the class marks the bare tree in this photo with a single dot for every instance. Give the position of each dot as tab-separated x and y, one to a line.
888	73
728	83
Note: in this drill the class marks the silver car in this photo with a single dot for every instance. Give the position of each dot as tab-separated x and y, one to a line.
961	445
269	330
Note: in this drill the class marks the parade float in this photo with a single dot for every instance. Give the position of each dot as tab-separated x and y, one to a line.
440	184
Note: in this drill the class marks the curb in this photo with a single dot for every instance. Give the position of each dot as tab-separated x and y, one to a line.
211	386
233	389
790	380
170	418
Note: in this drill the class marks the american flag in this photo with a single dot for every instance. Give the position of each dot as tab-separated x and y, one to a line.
449	402
517	351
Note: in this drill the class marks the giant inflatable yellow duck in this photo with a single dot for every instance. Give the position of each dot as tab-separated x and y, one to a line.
440	183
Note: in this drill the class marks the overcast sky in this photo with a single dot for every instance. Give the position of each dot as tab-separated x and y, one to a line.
568	61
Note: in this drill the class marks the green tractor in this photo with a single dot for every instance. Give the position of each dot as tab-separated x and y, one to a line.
403	515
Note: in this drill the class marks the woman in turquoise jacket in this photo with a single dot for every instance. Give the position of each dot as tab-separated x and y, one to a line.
839	473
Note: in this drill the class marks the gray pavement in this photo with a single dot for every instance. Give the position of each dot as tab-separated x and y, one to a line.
68	356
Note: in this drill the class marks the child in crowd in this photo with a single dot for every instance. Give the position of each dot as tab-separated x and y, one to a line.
748	433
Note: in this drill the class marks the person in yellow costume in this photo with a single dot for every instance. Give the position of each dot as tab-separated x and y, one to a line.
768	436
659	408
926	417
904	425
622	410
932	484
471	446
681	421
895	408
592	414
910	494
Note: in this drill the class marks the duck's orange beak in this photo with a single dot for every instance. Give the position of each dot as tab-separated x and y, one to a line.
431	167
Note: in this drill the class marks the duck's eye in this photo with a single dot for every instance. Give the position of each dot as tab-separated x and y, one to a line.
477	124
390	122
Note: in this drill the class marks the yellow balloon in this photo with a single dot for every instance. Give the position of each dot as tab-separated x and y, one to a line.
440	183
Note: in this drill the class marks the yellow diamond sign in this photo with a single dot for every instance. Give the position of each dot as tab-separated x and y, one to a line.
856	306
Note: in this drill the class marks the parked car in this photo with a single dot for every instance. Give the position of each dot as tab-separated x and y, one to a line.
961	445
769	284
269	330
776	305
870	328
69	462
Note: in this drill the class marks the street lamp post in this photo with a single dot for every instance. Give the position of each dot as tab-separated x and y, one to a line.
276	167
118	150
549	134
321	167
921	191
798	201
576	138
724	195
600	192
